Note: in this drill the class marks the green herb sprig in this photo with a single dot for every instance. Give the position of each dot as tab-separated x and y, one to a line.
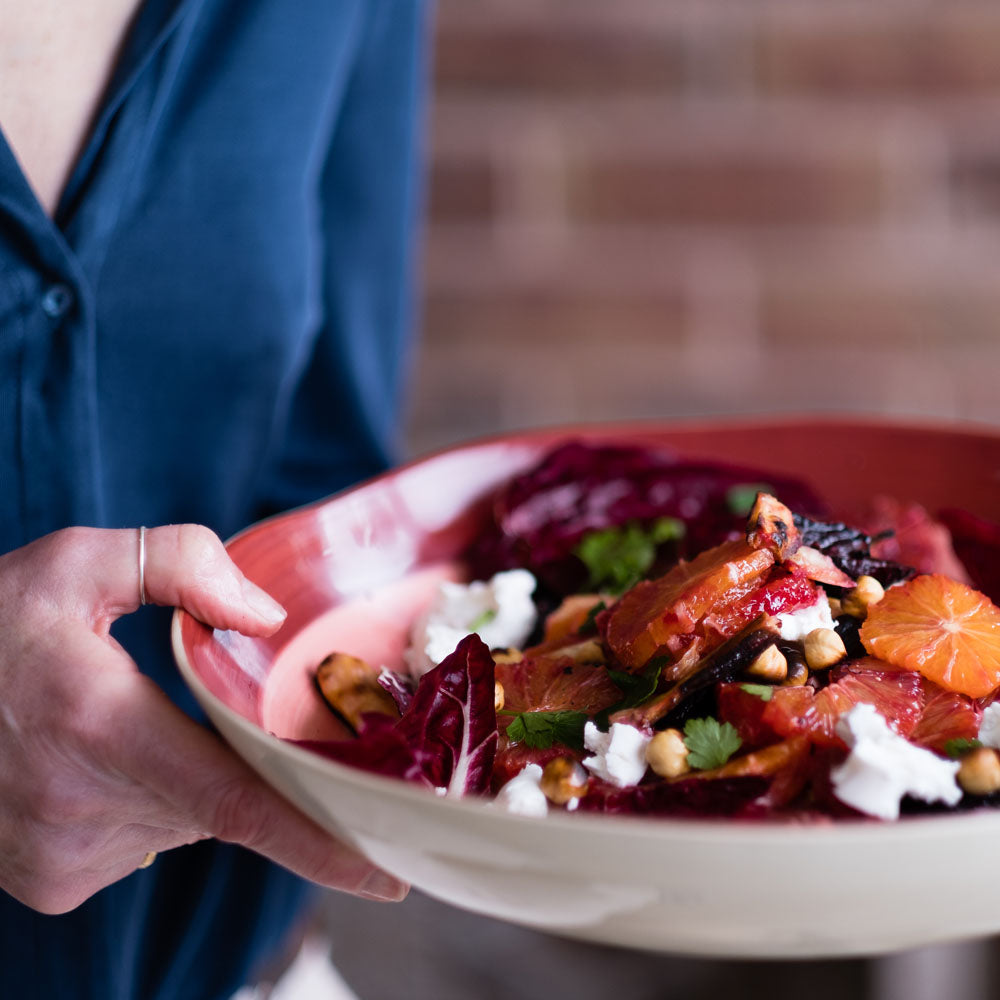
618	558
541	730
710	743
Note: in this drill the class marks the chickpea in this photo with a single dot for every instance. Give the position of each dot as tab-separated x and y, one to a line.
666	754
979	772
823	648
499	698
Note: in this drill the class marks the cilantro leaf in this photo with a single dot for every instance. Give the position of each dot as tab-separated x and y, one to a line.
618	557
710	743
636	688
667	529
590	622
960	747
540	730
763	691
740	498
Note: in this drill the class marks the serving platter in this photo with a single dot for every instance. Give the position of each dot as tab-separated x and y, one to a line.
353	570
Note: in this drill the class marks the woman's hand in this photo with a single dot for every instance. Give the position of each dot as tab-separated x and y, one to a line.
97	767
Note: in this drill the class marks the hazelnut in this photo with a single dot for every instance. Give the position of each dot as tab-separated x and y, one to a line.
666	754
499	699
770	665
510	655
798	674
979	772
563	779
823	648
867	591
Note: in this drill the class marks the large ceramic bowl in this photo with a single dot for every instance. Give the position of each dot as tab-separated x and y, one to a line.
353	570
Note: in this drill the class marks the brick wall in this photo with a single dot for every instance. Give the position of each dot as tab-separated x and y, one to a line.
657	208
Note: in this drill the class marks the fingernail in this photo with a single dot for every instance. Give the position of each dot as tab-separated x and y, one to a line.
265	607
382	886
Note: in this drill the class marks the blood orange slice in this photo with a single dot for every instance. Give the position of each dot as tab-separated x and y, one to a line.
556	683
947	716
944	629
654	612
781	592
896	694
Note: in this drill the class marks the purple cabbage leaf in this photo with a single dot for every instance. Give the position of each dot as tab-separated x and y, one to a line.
447	737
539	517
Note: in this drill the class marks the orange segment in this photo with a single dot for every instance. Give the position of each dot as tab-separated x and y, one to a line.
944	629
655	611
554	683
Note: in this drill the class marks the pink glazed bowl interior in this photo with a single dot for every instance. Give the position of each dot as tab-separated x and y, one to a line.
353	570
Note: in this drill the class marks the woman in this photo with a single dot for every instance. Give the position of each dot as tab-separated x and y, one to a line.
206	219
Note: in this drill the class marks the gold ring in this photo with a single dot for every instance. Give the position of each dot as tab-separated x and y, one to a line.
148	859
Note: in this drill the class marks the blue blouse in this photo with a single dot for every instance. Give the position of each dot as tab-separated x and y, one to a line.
213	327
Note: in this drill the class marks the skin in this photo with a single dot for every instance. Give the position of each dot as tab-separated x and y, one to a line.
56	59
97	767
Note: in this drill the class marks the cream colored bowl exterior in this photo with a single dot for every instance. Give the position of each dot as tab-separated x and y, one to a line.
754	890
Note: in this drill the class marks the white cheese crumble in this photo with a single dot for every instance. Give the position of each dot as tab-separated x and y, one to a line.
499	610
619	754
523	793
883	767
989	726
796	625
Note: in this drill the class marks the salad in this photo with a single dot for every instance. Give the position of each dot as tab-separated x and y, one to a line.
649	635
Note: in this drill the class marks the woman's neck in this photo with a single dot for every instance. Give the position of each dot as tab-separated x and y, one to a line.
56	59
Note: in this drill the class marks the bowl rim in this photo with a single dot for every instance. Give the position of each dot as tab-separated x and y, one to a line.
819	420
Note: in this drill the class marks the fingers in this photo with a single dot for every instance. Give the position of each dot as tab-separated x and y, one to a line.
186	565
54	877
218	795
97	767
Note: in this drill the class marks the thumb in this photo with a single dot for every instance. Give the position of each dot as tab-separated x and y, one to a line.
180	565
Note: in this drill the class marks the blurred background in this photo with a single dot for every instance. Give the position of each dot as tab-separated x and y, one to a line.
677	208
658	208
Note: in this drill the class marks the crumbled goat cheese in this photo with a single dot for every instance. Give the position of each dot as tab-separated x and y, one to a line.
523	793
500	611
619	754
796	625
883	767
989	726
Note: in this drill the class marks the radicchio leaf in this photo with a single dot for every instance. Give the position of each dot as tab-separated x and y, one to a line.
447	736
381	748
452	722
399	687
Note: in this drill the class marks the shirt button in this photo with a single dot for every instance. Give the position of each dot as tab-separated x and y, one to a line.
57	300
